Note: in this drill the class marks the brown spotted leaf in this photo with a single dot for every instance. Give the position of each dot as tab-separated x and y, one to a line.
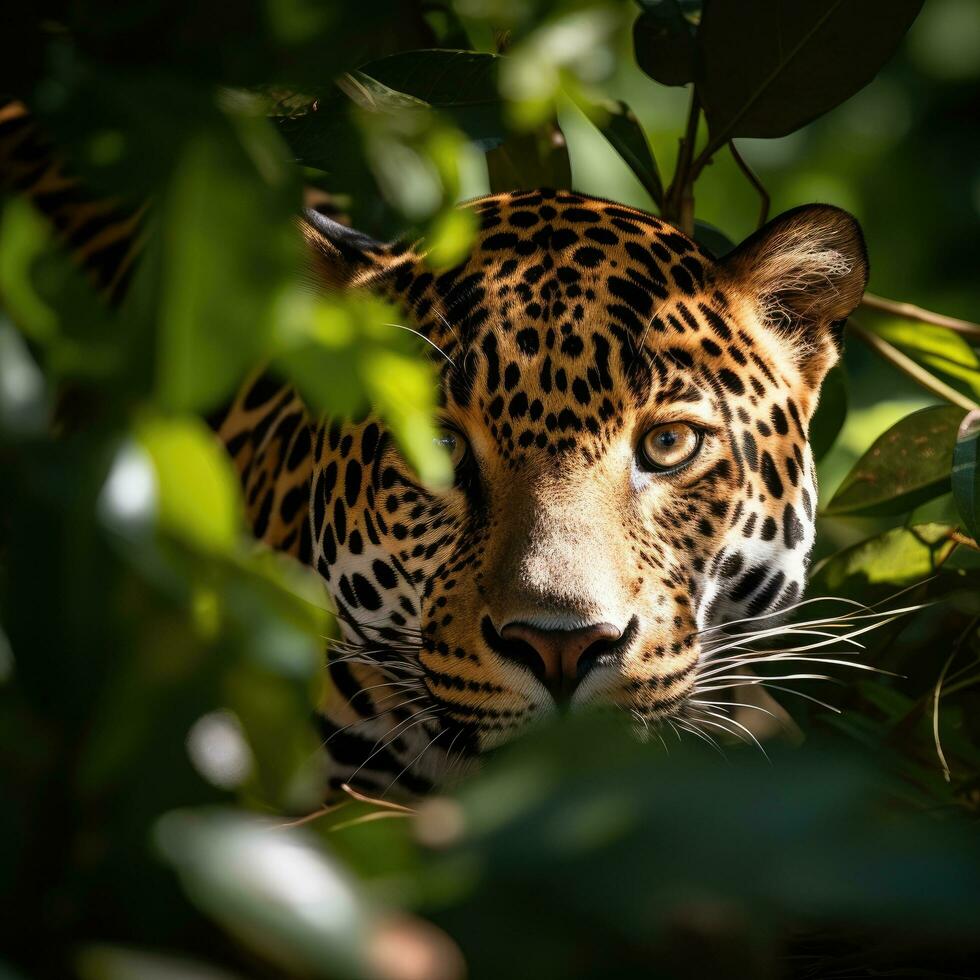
906	466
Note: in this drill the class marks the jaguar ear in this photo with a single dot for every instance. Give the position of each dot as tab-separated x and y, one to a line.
806	270
342	257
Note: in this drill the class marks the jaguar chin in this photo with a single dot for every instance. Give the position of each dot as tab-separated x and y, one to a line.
627	418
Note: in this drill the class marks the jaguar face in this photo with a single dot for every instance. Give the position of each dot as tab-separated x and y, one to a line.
628	423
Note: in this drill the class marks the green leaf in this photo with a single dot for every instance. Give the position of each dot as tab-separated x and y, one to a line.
907	465
768	67
104	962
197	493
663	39
345	353
900	556
463	84
527	161
23	392
224	250
617	122
936	347
273	889
712	238
831	412
966	473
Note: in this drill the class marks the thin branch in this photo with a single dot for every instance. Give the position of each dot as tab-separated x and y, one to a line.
679	200
750	175
910	311
910	368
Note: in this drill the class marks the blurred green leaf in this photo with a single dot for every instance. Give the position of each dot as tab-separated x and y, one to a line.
768	68
24	236
197	494
577	45
617	122
831	412
23	392
907	465
527	161
271	888
216	301
966	473
663	40
346	353
580	823
121	963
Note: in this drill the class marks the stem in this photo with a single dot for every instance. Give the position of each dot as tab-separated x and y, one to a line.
750	175
912	312
910	369
679	199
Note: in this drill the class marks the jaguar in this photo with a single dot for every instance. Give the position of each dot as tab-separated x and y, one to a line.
627	418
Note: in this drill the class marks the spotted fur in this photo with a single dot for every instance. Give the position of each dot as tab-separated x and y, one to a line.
573	328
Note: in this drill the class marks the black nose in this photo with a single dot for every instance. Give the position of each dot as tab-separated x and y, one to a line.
560	659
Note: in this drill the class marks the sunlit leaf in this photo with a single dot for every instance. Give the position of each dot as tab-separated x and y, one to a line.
966	473
578	42
897	557
767	67
24	236
450	237
346	354
197	489
937	348
908	464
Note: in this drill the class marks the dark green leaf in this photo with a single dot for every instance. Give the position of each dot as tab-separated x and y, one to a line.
712	238
831	412
463	84
525	161
966	473
768	67
904	467
616	121
663	39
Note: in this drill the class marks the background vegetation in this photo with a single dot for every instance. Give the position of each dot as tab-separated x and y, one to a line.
156	670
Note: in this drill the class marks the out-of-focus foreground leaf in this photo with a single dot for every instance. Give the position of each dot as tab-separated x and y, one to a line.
583	825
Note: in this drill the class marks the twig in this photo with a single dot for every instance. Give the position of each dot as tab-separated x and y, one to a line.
910	369
679	200
937	694
750	175
962	539
912	312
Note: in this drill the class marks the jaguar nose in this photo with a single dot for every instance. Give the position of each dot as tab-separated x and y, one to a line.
560	659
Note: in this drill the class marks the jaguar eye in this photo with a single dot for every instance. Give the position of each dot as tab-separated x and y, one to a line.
668	447
454	444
